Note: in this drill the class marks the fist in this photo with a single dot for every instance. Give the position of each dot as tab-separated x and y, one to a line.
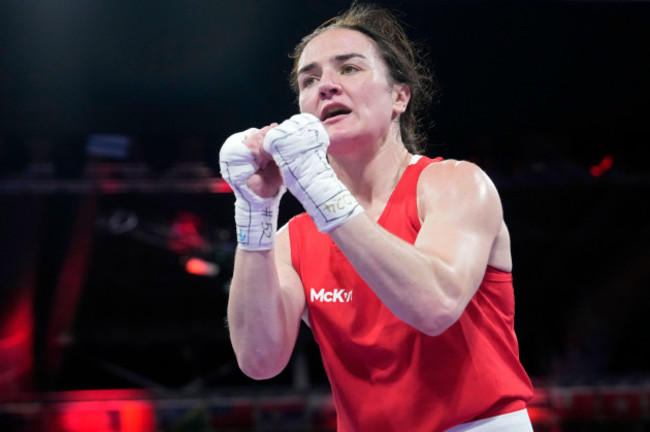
299	134
266	180
236	161
243	161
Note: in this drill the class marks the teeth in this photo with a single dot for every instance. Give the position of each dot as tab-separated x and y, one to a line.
335	111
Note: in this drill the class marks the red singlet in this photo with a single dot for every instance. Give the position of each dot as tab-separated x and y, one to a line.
386	375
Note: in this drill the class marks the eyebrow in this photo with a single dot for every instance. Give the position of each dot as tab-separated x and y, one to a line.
339	59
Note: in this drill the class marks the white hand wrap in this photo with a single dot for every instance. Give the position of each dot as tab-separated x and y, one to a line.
256	218
299	148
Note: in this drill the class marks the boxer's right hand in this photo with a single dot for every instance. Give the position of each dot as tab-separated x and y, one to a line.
257	185
267	180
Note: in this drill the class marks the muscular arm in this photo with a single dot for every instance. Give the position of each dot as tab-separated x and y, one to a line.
429	284
266	299
264	309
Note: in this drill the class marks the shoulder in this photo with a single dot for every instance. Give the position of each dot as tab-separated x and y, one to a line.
454	176
452	168
456	182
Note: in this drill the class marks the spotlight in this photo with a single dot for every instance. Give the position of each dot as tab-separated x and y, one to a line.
200	267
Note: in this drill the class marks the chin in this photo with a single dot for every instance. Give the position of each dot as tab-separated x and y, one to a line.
338	132
337	138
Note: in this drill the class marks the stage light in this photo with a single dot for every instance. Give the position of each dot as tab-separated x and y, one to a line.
200	267
603	166
596	171
16	339
220	186
607	162
185	234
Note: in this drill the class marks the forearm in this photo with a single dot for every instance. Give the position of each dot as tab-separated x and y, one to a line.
262	328
420	289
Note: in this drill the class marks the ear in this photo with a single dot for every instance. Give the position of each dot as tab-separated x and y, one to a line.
401	97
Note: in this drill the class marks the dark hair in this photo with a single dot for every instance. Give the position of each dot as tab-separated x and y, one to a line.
402	58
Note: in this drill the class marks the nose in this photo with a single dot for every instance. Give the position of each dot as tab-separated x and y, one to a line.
329	88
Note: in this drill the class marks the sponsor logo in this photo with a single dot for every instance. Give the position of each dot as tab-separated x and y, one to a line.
337	295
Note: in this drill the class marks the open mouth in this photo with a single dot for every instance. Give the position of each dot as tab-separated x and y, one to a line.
334	111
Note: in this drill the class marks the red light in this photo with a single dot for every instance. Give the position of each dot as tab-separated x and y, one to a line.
596	171
607	162
16	333
197	266
185	232
186	224
105	416
220	186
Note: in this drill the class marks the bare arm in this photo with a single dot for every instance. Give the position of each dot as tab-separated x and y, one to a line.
429	284
266	298
265	307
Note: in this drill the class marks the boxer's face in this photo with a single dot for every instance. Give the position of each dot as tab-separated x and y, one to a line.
343	81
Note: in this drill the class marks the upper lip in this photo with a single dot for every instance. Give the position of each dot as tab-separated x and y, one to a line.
332	108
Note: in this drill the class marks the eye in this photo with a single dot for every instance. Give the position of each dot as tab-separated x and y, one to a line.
308	81
349	69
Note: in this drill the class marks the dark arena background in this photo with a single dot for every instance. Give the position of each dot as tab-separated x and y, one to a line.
117	232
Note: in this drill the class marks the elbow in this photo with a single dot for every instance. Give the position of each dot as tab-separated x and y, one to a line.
446	315
437	328
257	373
260	367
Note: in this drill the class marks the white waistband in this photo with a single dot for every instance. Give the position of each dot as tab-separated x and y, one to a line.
517	421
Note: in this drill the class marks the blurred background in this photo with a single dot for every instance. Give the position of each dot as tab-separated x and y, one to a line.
117	234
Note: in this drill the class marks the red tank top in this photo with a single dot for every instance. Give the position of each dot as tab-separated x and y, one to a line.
386	375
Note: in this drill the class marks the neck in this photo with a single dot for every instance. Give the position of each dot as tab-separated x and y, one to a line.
372	176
